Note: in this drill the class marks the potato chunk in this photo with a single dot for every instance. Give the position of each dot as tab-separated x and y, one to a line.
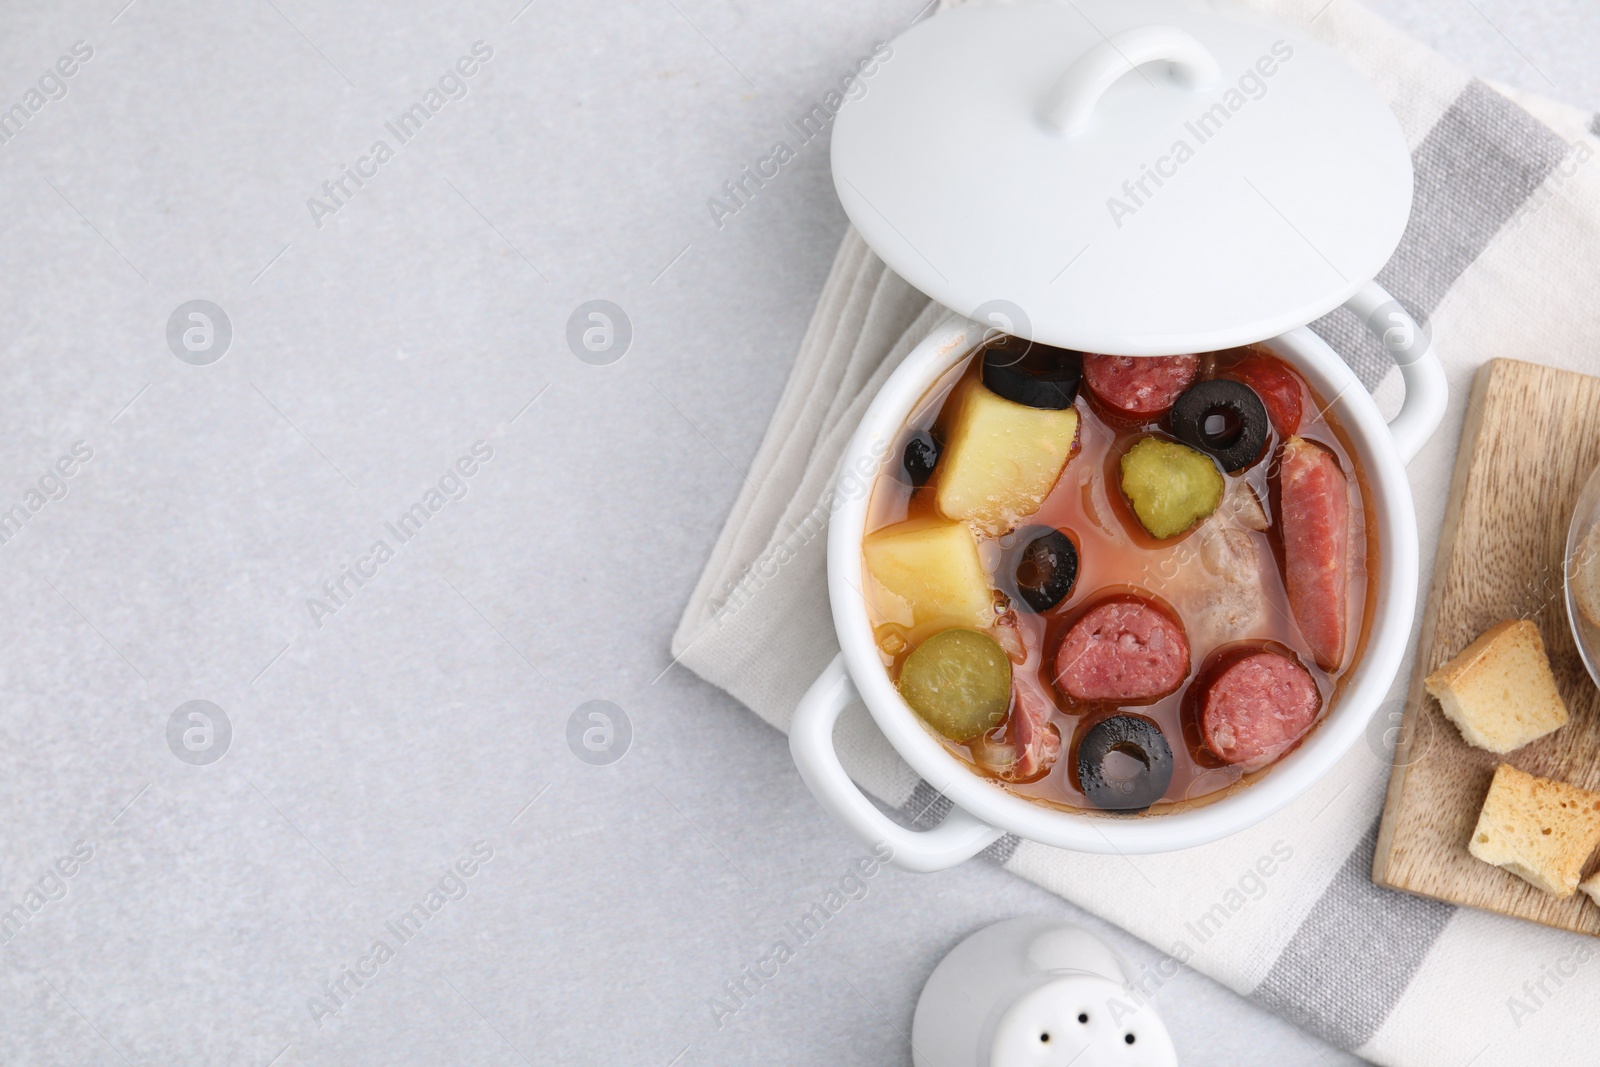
931	572
1002	460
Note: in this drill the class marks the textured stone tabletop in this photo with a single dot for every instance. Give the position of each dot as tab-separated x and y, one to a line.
321	528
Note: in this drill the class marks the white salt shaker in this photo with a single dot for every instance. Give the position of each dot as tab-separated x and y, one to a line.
1035	993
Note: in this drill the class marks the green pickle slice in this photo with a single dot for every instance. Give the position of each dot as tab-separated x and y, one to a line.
959	681
1170	486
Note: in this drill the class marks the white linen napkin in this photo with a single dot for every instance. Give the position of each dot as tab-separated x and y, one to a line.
1502	256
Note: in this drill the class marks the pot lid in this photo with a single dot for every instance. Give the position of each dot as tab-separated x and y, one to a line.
1135	177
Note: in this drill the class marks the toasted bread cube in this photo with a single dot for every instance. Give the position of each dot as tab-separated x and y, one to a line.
931	573
1591	887
1002	460
1539	830
1499	690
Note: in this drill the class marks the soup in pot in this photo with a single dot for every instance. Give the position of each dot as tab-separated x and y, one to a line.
1120	584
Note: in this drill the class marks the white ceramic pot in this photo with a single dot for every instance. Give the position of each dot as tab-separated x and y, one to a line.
983	809
1137	178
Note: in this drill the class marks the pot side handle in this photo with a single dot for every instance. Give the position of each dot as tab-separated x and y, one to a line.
1411	348
958	838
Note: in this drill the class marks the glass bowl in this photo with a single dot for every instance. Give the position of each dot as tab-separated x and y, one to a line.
1583	550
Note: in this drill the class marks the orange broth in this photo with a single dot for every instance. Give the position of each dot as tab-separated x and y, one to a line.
1115	554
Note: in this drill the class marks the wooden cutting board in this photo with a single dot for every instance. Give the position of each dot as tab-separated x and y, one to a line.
1530	441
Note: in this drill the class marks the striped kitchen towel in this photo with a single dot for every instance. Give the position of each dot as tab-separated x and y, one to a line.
1502	257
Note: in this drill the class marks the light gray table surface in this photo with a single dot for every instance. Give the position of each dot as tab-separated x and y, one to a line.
425	713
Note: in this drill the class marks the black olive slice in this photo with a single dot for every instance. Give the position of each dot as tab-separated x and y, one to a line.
1046	567
1224	419
920	457
1026	372
1124	764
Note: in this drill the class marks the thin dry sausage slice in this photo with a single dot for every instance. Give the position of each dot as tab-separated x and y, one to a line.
1316	547
1138	388
1257	706
1123	651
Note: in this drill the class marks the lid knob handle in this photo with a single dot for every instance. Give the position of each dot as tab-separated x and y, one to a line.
1071	101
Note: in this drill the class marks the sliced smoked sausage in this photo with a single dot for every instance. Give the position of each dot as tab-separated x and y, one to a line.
1275	384
1316	547
1257	706
1122	651
1138	388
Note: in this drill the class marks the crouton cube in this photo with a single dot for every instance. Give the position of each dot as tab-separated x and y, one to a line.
1541	831
1499	690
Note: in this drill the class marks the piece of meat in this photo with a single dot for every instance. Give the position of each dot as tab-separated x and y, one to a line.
1256	707
1275	384
1124	650
1243	506
1026	746
1037	739
1138	389
1231	602
1007	633
1316	547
